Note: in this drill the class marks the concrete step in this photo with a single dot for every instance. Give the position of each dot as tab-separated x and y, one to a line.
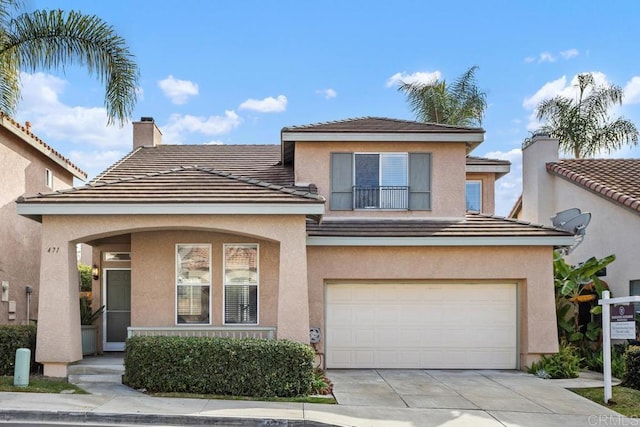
95	378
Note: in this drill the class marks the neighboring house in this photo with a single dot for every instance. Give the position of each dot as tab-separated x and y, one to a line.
609	189
356	227
27	165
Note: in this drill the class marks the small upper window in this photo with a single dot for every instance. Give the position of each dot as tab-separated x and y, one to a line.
48	178
474	196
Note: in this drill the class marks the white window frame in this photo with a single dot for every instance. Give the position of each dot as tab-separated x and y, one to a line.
224	284
48	178
473	181
176	284
635	284
381	153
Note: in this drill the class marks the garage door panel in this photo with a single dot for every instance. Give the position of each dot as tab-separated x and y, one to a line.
421	326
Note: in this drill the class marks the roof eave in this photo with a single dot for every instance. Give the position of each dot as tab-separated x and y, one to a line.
37	210
499	170
555	241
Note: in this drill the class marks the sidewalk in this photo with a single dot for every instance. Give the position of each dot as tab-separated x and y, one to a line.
112	406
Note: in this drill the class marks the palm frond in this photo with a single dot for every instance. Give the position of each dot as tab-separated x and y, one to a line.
54	39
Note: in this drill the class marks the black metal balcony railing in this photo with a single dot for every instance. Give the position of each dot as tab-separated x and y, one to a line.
387	197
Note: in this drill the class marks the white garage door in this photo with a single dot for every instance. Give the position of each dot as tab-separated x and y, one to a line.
437	326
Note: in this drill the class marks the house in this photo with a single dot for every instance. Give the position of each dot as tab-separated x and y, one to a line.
355	228
27	165
609	189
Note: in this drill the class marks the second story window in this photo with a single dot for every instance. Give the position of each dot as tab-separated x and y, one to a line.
474	196
48	178
380	181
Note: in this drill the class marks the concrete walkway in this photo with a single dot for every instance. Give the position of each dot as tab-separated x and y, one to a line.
367	398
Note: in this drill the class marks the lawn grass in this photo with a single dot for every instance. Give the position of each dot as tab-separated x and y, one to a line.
624	400
304	399
39	384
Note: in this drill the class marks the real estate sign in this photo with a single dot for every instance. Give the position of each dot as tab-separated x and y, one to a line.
623	325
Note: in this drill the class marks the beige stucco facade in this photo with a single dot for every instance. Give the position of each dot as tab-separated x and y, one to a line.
153	239
529	267
312	165
22	171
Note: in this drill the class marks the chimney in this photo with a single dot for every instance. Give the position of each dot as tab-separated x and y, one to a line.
146	133
538	189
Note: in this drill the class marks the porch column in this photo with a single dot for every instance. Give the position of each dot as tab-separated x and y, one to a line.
58	338
293	290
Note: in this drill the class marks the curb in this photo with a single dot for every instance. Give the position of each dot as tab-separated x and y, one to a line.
150	419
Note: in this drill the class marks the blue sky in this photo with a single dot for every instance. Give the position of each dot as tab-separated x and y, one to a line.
236	72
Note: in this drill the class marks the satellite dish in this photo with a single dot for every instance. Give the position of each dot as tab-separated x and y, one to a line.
578	224
564	216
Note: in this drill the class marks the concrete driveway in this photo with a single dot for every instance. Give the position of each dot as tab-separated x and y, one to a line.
492	398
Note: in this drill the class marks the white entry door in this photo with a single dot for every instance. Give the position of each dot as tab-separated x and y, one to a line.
438	326
117	313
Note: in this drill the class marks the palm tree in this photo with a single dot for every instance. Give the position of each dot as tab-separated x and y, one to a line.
583	126
53	39
457	104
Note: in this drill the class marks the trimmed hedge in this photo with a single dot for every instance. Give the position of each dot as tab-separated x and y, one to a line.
13	337
632	376
221	366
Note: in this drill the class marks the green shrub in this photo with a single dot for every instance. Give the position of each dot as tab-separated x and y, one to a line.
564	364
85	277
595	361
221	366
632	376
13	337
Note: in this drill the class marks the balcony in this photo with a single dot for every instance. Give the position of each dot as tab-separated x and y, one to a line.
385	197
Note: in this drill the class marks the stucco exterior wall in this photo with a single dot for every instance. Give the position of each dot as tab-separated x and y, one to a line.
313	166
530	267
612	230
22	171
153	277
59	326
488	190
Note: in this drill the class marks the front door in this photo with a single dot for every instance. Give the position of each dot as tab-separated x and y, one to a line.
117	313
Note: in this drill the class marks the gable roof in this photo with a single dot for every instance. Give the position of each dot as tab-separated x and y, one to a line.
261	162
377	129
617	180
24	133
184	179
474	230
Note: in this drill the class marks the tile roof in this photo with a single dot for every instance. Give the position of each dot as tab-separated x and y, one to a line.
380	124
474	225
483	161
256	161
190	184
617	180
24	133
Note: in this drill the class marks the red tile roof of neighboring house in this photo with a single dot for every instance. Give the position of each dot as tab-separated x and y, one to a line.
474	225
617	180
24	133
379	124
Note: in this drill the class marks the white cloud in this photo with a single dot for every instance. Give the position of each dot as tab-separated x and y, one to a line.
546	57
178	91
214	142
180	124
529	59
327	93
421	77
548	90
266	105
632	91
569	53
509	187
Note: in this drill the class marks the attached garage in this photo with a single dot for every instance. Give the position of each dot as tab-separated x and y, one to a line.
421	325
